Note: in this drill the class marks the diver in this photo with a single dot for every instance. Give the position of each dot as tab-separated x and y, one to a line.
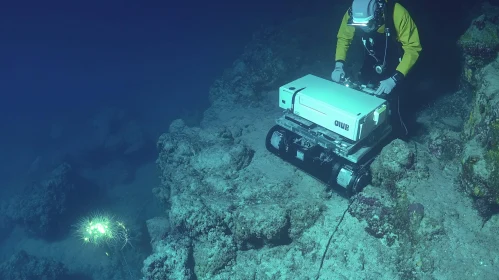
391	43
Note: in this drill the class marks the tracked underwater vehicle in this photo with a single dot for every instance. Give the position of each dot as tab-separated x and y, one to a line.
332	131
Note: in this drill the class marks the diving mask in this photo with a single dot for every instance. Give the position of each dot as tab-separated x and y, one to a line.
366	15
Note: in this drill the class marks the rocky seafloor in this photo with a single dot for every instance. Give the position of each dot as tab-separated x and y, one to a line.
236	211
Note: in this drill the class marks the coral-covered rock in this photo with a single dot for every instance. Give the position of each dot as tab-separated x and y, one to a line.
377	214
6	223
158	228
25	266
480	158
212	253
171	260
482	121
215	196
251	227
392	163
480	42
191	216
43	207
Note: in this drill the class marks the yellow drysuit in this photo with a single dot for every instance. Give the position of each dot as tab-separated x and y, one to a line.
406	32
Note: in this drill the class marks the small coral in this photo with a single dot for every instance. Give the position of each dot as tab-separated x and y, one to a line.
416	214
444	144
376	214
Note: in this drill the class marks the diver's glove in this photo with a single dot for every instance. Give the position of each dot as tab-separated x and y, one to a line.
338	72
386	86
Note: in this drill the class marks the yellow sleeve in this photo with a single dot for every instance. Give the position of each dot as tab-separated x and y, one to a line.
408	36
345	36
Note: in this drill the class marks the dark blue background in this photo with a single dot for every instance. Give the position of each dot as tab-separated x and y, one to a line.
69	59
61	55
63	61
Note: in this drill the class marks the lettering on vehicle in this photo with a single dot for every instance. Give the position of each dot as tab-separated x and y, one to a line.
341	125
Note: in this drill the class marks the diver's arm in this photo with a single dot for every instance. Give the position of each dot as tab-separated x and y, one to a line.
407	34
345	36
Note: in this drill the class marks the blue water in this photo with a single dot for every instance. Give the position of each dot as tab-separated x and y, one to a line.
68	60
